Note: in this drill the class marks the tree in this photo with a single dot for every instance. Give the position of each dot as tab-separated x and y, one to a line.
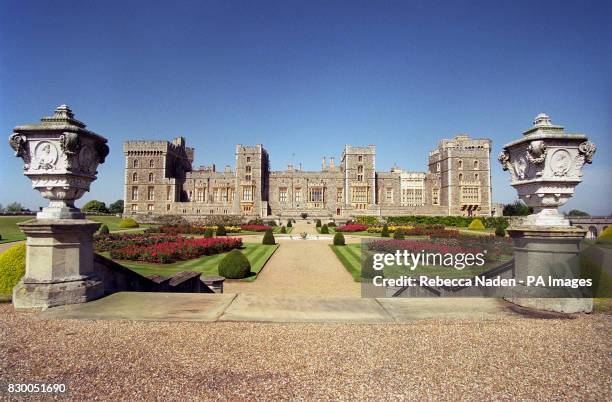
95	206
14	207
517	209
116	207
577	212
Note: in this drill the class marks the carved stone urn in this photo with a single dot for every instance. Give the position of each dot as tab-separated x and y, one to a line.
545	167
60	157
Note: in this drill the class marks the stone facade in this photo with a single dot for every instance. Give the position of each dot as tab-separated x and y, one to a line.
160	179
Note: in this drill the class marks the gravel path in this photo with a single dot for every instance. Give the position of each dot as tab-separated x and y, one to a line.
300	268
513	358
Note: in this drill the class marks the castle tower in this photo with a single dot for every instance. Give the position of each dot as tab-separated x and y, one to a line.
252	175
359	166
154	174
463	169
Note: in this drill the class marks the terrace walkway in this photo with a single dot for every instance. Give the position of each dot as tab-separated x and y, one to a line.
300	268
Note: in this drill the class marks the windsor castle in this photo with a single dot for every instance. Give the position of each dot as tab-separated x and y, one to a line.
160	178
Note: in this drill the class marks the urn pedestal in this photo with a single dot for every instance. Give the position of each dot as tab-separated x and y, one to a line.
549	253
545	167
59	264
60	158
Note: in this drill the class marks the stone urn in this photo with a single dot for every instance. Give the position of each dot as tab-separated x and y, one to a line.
545	167
60	158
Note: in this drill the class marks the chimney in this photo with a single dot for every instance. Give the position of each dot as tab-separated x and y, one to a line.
331	162
323	165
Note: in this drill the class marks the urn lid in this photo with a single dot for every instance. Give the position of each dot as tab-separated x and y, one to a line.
62	119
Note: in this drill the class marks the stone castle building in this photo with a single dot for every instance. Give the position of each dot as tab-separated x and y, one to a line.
160	178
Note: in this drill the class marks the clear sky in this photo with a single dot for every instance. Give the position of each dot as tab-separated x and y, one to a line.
303	78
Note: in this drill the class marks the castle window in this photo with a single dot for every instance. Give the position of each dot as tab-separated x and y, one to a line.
460	164
475	164
359	177
136	163
168	193
151	163
282	194
248	159
150	193
134	193
150	207
151	176
470	195
134	207
224	195
230	195
248	177
360	158
168	207
460	176
297	194
135	177
360	169
476	176
359	194
389	195
200	194
315	194
247	193
248	169
435	196
339	194
438	167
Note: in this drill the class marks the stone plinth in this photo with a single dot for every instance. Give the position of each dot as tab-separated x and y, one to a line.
548	251
59	264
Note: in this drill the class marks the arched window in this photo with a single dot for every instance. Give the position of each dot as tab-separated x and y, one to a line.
475	164
248	169
151	176
476	176
460	164
136	163
135	176
460	176
151	163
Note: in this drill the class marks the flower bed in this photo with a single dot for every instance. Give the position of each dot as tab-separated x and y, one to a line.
181	249
189	229
255	228
120	240
352	227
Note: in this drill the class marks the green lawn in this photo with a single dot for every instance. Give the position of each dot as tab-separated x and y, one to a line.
258	255
10	232
275	230
350	257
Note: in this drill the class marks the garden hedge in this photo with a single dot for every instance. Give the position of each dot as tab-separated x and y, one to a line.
234	265
458	221
221	230
12	267
500	231
128	223
399	235
208	233
605	236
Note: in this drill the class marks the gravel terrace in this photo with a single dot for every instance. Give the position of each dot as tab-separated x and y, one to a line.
509	359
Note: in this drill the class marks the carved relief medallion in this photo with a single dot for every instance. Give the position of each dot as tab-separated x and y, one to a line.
45	155
560	162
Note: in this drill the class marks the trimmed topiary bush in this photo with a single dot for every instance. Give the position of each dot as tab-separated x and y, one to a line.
272	223
500	231
605	236
283	229
289	224
399	235
268	238
208	233
221	231
128	223
385	231
476	224
324	229
318	223
103	230
12	268
339	239
331	224
235	265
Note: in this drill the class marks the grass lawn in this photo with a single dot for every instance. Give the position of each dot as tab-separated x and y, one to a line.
258	255
9	230
350	256
275	230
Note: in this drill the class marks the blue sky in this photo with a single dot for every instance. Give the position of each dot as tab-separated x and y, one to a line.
307	77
